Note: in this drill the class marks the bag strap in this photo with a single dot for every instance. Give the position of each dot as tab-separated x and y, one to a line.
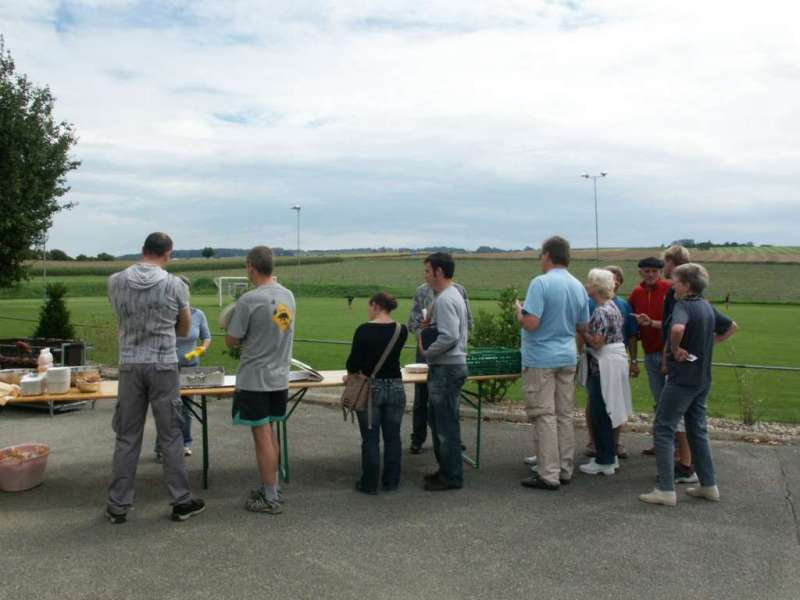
387	351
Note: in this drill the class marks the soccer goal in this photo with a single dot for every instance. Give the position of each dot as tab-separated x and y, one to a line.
230	287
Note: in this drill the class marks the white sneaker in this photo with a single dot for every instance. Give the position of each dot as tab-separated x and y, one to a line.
530	460
594	468
709	492
187	451
659	497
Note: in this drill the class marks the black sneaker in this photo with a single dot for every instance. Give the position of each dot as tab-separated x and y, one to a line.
364	489
685	474
439	485
181	512
116	518
534	481
414	449
431	476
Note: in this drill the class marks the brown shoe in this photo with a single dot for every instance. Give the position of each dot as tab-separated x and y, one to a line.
649	451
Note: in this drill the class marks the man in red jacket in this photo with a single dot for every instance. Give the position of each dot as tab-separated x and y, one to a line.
647	303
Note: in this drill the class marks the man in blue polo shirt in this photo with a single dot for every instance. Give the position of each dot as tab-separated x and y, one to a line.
555	307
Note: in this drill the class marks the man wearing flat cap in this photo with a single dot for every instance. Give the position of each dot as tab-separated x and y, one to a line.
648	299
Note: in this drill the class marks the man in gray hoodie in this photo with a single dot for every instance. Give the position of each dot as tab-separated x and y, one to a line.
446	356
151	307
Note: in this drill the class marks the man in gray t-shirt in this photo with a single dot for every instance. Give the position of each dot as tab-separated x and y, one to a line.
150	305
262	325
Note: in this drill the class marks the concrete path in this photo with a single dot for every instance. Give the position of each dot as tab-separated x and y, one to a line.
493	539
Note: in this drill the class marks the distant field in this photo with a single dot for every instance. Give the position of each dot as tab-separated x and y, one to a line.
768	336
780	254
484	277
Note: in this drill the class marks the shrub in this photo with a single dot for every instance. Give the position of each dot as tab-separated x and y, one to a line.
54	316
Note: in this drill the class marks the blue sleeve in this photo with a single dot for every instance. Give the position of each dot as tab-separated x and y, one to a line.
631	326
534	299
722	322
583	311
205	333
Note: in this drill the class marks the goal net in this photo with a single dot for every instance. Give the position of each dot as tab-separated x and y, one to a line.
230	288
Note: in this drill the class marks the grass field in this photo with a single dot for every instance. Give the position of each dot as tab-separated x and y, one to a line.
768	336
483	277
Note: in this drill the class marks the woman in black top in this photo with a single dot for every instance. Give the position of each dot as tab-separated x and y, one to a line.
388	396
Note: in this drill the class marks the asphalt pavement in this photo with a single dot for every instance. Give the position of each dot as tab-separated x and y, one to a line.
492	539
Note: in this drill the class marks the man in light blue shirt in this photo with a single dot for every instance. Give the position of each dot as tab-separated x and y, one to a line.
555	307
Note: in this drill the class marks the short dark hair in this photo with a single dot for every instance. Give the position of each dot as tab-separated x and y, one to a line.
385	300
157	244
261	259
617	271
558	249
443	261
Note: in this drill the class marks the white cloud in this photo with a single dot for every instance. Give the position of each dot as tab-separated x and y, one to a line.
468	111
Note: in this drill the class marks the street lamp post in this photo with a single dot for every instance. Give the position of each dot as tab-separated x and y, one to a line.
596	227
297	207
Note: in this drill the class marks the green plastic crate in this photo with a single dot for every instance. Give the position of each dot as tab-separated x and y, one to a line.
494	361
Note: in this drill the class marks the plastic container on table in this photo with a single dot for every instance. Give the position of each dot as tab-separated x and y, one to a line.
58	380
22	466
32	385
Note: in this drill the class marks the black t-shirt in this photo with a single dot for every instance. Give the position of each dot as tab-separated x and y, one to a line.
702	322
369	342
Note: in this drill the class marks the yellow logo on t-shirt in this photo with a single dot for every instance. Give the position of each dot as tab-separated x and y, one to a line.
283	317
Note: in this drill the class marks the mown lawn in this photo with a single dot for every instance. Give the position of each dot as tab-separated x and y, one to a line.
768	336
483	277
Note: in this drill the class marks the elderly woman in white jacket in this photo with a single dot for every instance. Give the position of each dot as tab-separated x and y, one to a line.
609	389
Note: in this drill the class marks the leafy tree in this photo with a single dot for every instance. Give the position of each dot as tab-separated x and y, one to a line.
82	257
54	316
58	255
105	256
208	252
34	162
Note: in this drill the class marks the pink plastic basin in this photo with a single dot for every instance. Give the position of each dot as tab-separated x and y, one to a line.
22	466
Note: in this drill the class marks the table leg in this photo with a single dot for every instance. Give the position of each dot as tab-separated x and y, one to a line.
475	400
283	443
283	433
204	422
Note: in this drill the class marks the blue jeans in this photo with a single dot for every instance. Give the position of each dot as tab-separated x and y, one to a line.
689	402
388	406
656	379
444	396
601	423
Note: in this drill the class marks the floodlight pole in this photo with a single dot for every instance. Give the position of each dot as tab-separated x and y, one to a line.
596	226
297	208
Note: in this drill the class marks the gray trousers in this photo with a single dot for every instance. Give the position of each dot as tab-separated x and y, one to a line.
140	386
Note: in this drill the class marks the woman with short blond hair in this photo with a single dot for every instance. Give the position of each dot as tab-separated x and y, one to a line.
609	389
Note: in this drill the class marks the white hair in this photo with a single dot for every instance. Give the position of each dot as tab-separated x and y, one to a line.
602	281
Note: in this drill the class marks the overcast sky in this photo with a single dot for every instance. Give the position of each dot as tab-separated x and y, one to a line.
420	123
